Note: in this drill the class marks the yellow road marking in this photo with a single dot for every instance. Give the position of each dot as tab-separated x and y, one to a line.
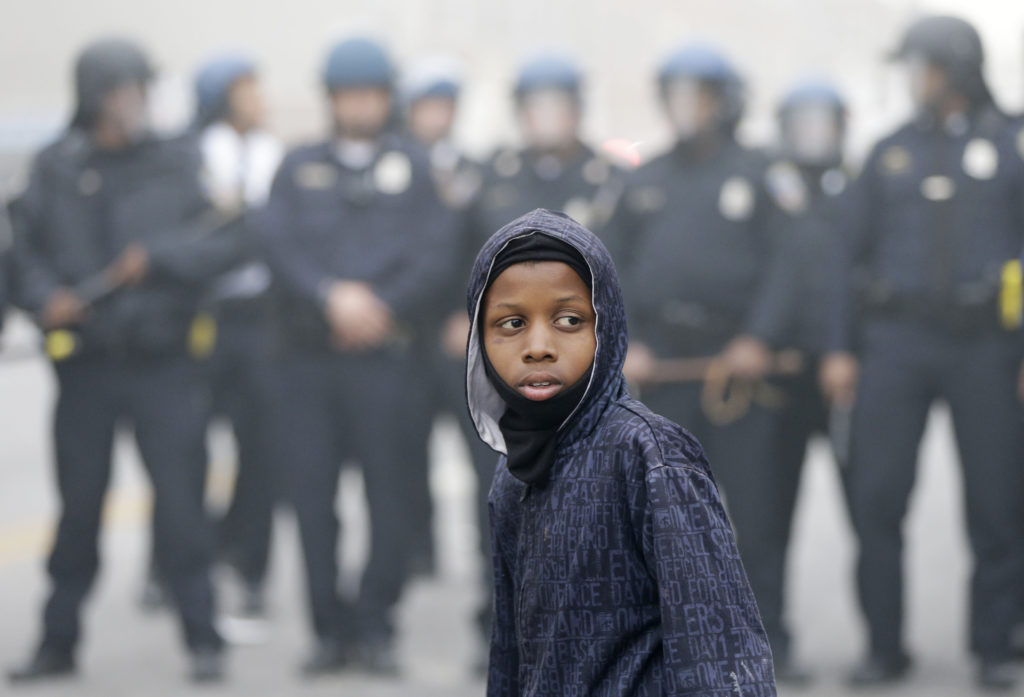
123	508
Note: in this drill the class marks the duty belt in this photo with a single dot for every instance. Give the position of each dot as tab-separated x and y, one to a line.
968	311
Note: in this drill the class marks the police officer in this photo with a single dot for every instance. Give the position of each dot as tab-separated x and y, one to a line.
239	160
357	238
709	300
808	182
431	89
113	242
936	214
554	169
1017	637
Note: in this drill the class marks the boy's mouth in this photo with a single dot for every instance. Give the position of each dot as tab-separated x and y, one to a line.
540	386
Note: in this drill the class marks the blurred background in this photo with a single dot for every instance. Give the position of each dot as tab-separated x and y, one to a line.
619	44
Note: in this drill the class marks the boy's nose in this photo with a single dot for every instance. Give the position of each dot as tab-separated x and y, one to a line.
539	345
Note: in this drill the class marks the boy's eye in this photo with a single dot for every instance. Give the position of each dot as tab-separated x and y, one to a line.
568	321
514	323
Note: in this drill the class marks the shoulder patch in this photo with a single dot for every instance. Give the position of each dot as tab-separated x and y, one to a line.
736	199
315	175
895	160
981	159
393	173
787	187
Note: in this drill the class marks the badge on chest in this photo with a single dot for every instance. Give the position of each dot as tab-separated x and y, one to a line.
981	159
736	199
392	174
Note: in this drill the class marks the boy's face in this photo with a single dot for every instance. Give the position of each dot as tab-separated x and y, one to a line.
538	328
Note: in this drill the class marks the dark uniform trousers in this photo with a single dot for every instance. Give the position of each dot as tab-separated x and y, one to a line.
906	367
451	384
241	382
802	415
334	406
162	399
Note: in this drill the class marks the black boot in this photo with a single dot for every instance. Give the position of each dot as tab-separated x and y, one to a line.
377	656
878	670
47	663
328	657
996	676
206	665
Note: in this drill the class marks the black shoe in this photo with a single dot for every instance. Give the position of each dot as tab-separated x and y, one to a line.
46	664
879	670
996	676
206	665
378	657
328	657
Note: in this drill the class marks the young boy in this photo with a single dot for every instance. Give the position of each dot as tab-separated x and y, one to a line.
616	568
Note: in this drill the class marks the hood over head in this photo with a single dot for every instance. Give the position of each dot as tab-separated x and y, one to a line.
606	383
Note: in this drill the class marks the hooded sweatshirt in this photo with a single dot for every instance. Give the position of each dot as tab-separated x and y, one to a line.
620	574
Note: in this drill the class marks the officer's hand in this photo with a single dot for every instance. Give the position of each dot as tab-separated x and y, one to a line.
62	309
838	377
358	319
454	336
640	364
131	267
747	358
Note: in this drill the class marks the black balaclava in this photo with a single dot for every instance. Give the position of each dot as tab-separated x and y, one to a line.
530	428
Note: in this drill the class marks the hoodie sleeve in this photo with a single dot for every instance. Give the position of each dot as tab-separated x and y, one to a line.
503	667
712	633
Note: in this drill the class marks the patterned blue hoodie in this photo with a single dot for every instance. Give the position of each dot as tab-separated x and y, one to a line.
620	575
